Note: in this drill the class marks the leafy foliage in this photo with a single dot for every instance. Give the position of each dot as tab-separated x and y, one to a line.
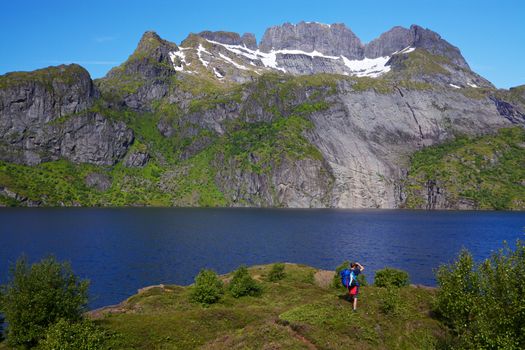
83	335
277	272
336	282
390	301
361	278
243	284
37	296
389	277
208	289
484	303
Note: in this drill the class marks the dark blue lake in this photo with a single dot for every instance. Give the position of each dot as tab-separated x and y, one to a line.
121	250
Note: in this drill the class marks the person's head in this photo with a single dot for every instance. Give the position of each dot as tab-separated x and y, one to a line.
353	265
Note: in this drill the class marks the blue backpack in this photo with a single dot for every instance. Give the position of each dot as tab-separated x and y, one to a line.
348	278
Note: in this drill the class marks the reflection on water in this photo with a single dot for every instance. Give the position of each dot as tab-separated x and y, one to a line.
121	250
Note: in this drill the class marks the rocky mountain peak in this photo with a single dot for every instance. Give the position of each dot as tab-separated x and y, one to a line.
399	38
331	40
395	39
433	43
230	38
150	59
153	46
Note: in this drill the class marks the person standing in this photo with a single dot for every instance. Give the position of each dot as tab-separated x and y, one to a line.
355	269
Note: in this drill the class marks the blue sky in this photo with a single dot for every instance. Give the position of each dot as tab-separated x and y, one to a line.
102	34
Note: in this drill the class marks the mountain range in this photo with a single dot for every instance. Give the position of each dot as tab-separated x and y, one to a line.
308	117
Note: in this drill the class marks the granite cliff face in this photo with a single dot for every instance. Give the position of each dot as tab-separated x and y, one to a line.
44	115
331	40
309	117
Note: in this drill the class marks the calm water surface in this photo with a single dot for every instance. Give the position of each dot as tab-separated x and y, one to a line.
121	250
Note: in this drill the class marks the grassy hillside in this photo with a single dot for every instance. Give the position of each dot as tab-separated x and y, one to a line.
298	312
487	172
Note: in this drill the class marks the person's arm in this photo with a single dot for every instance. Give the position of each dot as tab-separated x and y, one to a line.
361	267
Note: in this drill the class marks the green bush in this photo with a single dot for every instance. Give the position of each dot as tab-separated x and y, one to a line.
484	303
362	280
390	303
276	273
37	296
208	289
243	284
336	283
84	335
389	277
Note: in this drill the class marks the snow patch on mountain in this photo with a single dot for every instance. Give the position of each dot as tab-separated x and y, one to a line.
368	67
201	50
217	73
371	67
182	57
229	60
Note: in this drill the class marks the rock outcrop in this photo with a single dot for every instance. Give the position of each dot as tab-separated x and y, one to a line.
399	38
44	115
230	38
331	40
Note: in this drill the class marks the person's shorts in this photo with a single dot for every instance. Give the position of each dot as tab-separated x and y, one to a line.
354	291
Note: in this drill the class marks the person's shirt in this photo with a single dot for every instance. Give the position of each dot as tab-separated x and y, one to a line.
356	272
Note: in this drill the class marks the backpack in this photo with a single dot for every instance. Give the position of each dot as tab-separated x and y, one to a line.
348	278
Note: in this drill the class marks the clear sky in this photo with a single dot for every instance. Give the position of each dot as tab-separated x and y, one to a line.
100	34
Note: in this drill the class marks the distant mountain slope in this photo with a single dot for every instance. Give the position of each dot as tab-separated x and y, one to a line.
309	117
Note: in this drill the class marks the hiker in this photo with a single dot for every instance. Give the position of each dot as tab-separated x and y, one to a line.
355	268
349	280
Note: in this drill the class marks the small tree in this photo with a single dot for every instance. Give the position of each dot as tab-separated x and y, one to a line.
243	284
37	296
484	304
336	283
389	277
84	335
207	289
276	273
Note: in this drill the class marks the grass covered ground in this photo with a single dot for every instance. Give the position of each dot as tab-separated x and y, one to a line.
298	312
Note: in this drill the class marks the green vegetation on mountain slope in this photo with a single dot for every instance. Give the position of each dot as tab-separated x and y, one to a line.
166	179
487	171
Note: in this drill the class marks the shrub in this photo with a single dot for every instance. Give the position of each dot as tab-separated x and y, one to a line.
276	273
389	277
361	278
84	335
336	283
390	303
243	284
484	303
37	296
208	289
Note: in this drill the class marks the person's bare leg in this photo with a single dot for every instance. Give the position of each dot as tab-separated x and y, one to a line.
355	303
